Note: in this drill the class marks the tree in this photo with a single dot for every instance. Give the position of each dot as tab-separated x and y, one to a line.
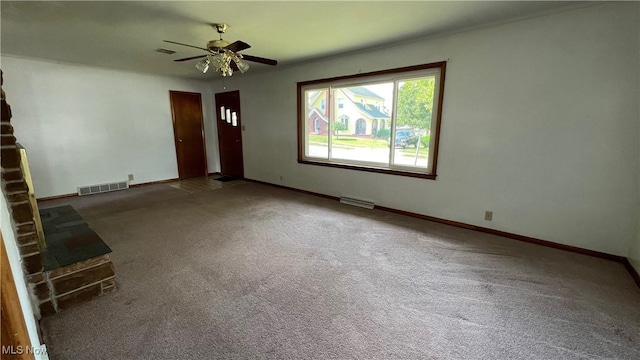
415	106
415	103
339	126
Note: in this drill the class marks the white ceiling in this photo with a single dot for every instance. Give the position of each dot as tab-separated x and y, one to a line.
123	35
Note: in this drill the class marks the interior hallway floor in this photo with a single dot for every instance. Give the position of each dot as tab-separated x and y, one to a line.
249	271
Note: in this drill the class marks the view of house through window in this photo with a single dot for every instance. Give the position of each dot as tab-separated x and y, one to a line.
384	122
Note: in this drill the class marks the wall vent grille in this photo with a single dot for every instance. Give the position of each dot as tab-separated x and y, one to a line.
101	188
357	202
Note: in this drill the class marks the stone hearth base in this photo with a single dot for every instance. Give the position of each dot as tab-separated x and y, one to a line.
76	283
76	262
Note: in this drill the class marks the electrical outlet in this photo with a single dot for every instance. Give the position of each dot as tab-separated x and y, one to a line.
488	215
130	177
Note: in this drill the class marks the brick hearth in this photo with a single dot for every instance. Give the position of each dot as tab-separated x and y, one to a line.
61	284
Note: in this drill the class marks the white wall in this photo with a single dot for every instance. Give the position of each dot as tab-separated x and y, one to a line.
540	125
634	248
18	276
86	125
634	252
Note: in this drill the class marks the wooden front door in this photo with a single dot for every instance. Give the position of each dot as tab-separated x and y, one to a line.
188	133
230	133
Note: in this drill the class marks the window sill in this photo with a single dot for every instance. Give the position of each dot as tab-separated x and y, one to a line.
369	169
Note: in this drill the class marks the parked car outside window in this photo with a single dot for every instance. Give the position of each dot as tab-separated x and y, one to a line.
402	137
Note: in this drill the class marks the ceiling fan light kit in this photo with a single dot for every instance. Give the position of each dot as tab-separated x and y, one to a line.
222	62
223	56
203	65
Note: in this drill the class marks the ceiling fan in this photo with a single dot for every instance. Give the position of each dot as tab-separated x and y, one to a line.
224	56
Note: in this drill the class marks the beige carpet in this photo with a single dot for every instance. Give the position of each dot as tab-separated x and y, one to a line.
256	272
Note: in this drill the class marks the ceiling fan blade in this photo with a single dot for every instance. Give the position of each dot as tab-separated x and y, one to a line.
177	43
238	46
191	58
260	60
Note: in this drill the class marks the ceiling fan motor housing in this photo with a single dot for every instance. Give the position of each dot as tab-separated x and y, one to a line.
217	44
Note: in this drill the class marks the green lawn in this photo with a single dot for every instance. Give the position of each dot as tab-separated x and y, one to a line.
350	141
412	151
364	142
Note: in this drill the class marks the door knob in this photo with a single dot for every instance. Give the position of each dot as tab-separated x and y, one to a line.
237	140
179	140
